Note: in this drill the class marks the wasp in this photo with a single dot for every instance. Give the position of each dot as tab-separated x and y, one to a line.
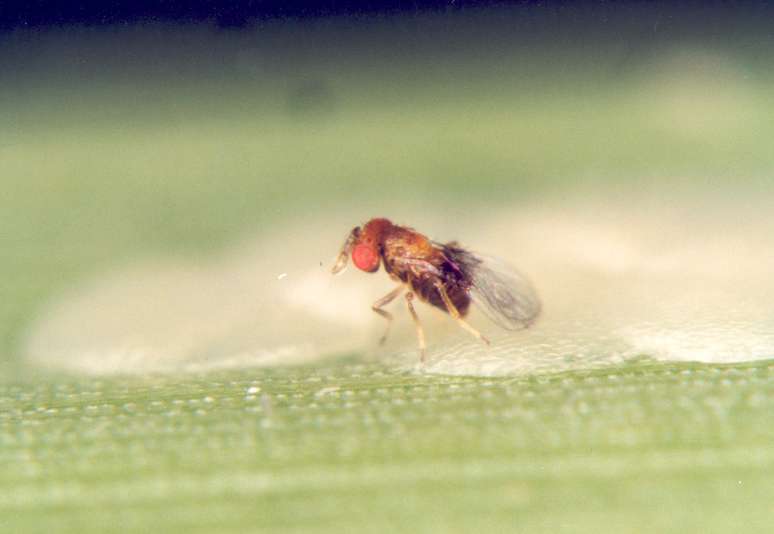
444	275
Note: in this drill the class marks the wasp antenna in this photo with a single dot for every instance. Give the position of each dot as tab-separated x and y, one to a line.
346	249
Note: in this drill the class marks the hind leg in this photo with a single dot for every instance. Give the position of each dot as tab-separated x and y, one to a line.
454	312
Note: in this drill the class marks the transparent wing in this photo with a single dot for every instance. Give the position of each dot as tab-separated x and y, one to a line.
504	295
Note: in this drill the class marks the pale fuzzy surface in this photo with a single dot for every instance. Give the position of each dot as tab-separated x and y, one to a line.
664	274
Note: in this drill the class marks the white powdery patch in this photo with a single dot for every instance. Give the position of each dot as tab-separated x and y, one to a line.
620	277
686	281
268	302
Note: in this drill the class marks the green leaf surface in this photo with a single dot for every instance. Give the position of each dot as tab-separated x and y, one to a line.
350	447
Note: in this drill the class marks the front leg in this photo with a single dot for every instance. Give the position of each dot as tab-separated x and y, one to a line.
377	307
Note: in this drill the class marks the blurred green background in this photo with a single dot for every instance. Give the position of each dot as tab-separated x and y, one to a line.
126	141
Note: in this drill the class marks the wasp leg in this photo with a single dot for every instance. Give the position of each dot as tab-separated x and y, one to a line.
454	312
377	307
420	331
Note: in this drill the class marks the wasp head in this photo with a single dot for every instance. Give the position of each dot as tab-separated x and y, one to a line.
365	256
363	245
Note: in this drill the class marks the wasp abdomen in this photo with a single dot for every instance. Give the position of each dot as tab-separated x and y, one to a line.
427	290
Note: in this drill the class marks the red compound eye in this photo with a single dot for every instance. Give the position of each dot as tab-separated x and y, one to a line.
365	258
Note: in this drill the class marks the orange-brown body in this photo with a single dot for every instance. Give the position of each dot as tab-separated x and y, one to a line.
413	259
444	275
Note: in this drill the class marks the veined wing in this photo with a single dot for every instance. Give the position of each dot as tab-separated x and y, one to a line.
500	291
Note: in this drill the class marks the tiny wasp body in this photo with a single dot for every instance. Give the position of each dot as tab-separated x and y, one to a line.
444	275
